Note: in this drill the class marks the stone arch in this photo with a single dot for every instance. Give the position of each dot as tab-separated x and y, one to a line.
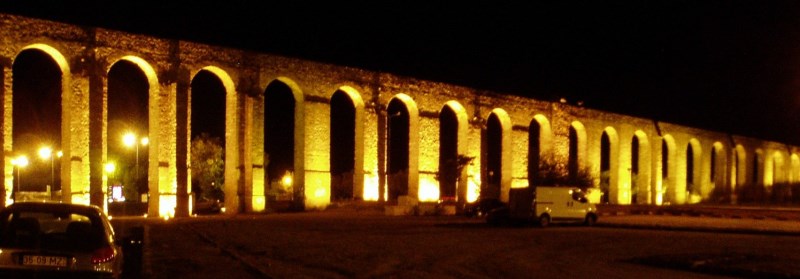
609	167
739	171
540	137
577	148
402	147
221	83
452	145
716	174
347	144
773	169
640	169
284	142
41	76
757	179
693	178
162	195
668	167
497	179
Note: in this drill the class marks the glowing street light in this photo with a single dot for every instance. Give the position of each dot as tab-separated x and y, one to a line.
130	139
20	162
110	167
47	153
287	179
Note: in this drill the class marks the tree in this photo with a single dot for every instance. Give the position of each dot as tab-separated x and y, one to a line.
553	173
207	167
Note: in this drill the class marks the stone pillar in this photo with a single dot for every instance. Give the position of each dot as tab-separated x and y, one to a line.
250	196
5	133
257	156
233	167
97	135
381	115
182	142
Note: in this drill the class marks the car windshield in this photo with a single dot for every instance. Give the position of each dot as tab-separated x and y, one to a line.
56	231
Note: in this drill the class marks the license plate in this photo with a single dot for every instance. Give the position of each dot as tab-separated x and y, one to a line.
44	260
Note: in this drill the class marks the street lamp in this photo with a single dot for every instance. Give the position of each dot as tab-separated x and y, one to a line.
20	162
110	167
47	153
130	139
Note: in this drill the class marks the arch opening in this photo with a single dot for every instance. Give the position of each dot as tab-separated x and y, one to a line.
534	151
343	146
398	138
448	154
128	129
37	125
494	157
605	167
208	106
668	192
279	143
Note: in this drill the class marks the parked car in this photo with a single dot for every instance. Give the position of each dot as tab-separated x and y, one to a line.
207	206
482	206
56	240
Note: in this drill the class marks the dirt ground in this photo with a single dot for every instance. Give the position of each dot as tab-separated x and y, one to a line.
370	245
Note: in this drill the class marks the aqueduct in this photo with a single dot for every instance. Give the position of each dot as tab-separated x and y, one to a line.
341	133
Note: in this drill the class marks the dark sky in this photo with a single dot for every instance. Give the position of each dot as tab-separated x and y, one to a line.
730	66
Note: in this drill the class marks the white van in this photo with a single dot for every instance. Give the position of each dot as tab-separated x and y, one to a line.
563	204
548	205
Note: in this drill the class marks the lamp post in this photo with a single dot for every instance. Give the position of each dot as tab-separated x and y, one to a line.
20	162
110	167
46	153
130	139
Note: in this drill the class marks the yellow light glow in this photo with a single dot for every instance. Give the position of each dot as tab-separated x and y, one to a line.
659	194
519	183
129	139
21	161
624	196
317	190
370	187
166	205
287	179
145	141
81	198
45	152
110	167
259	203
428	188
319	193
60	154
473	185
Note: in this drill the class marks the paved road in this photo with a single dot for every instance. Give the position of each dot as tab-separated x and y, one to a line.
370	245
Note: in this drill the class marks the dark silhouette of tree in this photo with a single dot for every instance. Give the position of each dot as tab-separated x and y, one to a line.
207	166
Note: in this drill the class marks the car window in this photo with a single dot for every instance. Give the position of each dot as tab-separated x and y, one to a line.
579	196
47	230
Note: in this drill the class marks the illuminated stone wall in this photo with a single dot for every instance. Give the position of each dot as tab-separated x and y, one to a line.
86	54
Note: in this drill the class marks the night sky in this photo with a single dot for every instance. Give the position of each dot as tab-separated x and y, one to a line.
731	66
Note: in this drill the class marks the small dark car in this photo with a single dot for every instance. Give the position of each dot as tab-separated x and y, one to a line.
56	240
207	206
482	206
